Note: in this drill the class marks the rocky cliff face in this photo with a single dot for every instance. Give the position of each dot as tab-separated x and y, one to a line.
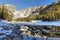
25	12
7	7
29	11
6	11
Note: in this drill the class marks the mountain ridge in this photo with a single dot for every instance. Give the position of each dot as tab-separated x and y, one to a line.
47	13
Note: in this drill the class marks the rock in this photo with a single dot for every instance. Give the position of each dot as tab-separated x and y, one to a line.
17	38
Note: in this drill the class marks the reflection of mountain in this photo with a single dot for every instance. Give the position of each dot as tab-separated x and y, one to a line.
49	12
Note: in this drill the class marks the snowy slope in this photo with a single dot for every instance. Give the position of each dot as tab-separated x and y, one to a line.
18	14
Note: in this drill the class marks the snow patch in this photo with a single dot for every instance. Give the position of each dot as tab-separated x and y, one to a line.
18	14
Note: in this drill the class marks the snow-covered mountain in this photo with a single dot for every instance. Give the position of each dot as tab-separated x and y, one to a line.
27	11
18	14
13	14
11	10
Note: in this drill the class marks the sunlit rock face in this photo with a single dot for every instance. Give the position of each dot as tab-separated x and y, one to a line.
7	7
7	10
25	12
28	11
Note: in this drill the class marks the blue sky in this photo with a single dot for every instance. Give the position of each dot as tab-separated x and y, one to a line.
21	4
